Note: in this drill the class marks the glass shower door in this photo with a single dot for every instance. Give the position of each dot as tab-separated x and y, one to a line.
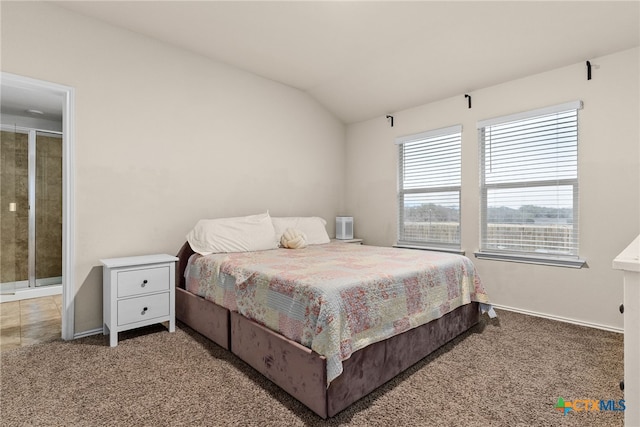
47	212
30	209
14	210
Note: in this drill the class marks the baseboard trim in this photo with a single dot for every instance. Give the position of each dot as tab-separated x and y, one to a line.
558	318
497	306
87	333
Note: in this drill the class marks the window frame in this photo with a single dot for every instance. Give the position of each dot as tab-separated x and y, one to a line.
573	260
402	242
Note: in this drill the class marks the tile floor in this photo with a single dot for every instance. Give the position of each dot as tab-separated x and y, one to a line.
30	321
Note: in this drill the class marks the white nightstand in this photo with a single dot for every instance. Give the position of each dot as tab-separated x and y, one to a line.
137	291
629	261
356	241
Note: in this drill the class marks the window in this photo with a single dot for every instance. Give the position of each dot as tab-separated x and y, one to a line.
529	186
429	189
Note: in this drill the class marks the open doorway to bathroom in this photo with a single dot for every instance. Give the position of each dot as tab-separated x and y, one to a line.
36	205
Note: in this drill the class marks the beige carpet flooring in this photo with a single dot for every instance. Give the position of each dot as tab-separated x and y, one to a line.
508	371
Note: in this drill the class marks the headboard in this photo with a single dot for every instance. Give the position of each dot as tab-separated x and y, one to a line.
183	255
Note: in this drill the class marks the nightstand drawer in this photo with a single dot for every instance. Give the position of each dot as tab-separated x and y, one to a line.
143	308
143	281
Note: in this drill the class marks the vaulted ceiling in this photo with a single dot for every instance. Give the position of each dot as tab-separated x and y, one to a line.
363	59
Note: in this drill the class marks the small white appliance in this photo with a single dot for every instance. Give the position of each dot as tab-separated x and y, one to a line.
344	227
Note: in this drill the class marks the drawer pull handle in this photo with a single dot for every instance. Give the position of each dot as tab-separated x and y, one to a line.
144	282
621	308
144	310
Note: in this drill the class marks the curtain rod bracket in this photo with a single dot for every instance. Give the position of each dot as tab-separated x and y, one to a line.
466	95
588	70
390	119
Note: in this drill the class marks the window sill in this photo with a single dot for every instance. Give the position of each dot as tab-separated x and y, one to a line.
529	259
429	248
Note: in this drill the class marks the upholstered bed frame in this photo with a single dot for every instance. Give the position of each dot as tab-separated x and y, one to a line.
300	371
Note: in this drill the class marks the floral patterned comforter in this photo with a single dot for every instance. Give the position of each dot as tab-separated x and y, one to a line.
337	298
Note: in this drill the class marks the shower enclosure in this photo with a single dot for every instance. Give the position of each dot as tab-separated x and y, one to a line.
30	209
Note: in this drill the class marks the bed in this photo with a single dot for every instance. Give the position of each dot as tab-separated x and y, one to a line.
298	354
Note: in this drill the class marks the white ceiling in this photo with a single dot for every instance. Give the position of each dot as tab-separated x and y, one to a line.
16	101
364	59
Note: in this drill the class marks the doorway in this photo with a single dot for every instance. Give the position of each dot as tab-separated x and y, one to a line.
37	223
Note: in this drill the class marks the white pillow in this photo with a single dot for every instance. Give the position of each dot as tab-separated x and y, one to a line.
239	234
312	226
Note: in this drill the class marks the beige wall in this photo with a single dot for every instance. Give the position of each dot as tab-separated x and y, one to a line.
165	137
609	162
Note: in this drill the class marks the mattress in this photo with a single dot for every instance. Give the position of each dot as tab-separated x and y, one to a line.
337	298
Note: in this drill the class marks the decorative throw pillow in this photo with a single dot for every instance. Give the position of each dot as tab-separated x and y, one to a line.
293	239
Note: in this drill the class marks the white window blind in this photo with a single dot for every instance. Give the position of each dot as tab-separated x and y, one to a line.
529	183
429	189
